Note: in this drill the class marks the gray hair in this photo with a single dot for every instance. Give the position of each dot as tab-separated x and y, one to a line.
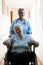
21	10
19	26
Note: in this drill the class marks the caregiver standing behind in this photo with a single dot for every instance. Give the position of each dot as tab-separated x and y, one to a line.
22	21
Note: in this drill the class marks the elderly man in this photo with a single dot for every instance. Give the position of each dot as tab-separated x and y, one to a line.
22	21
20	46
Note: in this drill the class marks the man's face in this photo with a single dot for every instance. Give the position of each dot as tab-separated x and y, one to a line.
21	15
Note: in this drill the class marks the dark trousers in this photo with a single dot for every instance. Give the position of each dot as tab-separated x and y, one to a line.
21	58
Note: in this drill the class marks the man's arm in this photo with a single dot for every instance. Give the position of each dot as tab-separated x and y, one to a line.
29	30
11	28
11	33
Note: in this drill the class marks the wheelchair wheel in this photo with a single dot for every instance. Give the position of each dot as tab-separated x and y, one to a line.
34	62
6	63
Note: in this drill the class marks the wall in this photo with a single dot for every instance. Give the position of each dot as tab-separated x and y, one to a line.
0	6
4	32
36	23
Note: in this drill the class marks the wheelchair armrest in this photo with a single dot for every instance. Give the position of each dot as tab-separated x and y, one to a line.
32	48
33	44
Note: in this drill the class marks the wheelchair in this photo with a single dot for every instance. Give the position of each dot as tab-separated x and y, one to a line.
33	58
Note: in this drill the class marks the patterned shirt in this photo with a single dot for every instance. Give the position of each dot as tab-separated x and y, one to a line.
20	45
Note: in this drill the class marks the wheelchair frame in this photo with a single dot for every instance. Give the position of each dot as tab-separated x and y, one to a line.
32	62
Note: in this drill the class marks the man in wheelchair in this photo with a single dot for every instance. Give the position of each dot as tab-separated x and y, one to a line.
20	52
